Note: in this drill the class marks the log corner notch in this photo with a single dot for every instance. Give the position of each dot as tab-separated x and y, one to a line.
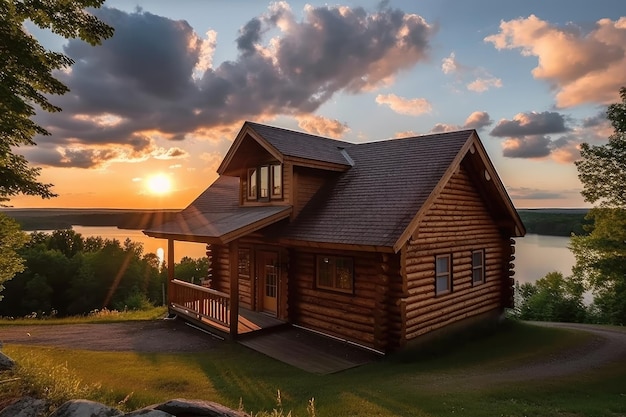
508	286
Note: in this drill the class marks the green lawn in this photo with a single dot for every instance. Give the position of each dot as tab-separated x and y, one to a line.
443	381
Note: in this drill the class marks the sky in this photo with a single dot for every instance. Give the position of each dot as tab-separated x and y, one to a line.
152	111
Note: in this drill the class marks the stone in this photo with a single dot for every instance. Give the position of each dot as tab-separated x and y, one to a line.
82	408
6	363
197	408
24	407
145	412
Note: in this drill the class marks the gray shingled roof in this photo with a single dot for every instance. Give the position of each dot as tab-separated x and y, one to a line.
216	213
370	204
374	202
302	145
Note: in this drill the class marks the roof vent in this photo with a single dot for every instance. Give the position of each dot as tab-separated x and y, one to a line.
345	155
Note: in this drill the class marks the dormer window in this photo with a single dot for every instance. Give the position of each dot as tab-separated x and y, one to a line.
265	182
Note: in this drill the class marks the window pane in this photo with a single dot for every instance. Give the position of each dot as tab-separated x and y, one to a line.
244	262
252	184
343	270
277	181
442	265
477	275
442	284
325	268
264	179
477	259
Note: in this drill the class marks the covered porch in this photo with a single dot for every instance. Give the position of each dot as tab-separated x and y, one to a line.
215	312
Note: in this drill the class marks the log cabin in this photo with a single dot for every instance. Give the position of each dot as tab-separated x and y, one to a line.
377	243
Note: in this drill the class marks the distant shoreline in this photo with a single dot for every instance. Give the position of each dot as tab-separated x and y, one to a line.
541	221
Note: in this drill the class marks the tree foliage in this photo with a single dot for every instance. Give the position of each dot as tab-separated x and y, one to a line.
27	79
601	256
602	168
11	240
70	275
551	298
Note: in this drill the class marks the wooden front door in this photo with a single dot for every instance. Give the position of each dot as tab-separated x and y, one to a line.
267	267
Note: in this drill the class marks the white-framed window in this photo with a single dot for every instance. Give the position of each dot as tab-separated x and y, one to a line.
443	274
265	182
478	266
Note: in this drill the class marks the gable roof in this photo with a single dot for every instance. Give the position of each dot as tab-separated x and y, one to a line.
376	200
297	147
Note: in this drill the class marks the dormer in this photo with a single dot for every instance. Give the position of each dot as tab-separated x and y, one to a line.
281	167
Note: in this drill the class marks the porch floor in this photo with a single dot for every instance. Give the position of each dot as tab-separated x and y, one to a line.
249	321
308	351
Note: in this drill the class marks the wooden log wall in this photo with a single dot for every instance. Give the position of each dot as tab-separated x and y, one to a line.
221	268
361	317
457	223
246	274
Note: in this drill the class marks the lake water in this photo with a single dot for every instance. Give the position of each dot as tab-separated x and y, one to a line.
150	244
535	255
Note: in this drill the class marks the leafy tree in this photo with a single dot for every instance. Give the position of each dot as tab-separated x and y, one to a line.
601	256
552	298
191	270
602	168
11	240
26	79
66	241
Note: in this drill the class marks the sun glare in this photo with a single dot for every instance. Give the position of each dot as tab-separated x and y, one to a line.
159	184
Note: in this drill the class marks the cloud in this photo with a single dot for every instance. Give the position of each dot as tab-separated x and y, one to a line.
482	82
545	135
531	123
450	65
120	96
524	193
535	146
480	85
582	67
319	125
477	120
401	105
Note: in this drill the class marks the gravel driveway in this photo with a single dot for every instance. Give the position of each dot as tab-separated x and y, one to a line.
138	336
607	346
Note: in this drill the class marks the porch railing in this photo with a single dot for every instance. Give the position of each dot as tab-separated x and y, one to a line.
200	301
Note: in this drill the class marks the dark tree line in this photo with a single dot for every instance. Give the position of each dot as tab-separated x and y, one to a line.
66	274
601	252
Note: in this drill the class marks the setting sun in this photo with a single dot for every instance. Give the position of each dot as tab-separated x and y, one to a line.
159	184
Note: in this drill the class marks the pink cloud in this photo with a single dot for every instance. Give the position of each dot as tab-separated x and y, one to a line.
401	105
322	126
582	67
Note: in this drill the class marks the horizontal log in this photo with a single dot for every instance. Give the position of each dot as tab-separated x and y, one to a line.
419	307
364	338
412	334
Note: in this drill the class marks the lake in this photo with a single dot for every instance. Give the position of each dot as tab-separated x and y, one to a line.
150	244
535	255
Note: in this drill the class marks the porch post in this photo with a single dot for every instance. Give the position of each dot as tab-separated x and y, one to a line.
170	271
233	251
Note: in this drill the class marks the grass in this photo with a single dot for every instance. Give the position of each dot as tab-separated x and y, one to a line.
96	316
433	382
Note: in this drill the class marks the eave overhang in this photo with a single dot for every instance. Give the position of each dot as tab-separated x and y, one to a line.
220	228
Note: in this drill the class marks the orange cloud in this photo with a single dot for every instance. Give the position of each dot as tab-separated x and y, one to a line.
401	105
319	125
583	67
481	85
